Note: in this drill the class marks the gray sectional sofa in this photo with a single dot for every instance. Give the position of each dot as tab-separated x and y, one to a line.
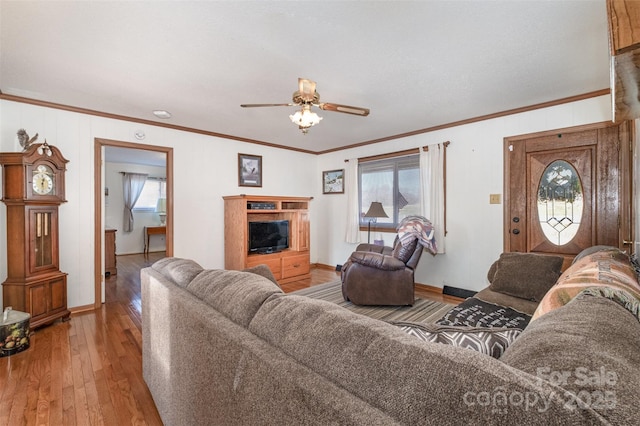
230	348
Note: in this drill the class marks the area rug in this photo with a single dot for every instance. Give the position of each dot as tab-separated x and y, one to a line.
426	311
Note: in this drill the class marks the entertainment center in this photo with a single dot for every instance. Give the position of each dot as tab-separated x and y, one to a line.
268	230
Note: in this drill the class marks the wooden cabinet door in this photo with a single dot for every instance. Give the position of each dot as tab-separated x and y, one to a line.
58	294
304	239
37	299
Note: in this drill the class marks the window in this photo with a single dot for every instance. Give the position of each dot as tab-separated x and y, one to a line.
153	189
560	202
394	182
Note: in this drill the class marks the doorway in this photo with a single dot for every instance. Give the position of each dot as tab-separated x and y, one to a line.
99	145
569	189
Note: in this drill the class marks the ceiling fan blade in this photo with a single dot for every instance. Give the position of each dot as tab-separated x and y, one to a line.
307	89
263	105
344	108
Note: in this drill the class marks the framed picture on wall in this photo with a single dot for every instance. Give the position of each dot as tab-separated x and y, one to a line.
333	182
249	170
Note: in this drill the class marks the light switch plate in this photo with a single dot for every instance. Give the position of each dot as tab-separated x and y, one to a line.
494	198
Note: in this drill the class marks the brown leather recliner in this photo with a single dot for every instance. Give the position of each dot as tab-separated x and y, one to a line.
380	275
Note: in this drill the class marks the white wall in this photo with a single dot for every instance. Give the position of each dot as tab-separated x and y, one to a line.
198	208
474	170
130	242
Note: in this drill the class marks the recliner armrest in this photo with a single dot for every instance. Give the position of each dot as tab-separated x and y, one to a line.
377	260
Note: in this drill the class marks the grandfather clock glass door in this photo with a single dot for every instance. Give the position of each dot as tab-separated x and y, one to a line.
43	231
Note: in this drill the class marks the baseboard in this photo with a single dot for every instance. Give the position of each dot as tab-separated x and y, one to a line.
79	309
323	266
458	292
429	288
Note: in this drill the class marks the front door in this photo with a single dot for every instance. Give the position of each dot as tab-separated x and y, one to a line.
569	189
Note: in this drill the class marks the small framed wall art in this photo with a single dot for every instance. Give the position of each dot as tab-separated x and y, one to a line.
249	170
333	182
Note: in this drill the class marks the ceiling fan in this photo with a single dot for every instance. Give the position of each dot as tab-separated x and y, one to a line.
306	97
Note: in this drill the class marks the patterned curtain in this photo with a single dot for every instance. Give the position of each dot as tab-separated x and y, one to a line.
132	184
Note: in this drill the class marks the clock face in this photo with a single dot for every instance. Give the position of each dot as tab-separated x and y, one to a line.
43	180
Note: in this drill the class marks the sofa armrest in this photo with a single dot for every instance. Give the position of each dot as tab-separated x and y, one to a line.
377	260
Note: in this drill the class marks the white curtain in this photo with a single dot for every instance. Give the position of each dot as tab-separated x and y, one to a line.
432	189
132	183
353	210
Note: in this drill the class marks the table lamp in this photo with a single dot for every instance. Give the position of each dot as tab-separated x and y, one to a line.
161	209
375	211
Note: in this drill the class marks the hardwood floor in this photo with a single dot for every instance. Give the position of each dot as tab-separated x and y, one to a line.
88	370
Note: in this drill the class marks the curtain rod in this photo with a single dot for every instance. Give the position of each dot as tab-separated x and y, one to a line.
148	177
395	154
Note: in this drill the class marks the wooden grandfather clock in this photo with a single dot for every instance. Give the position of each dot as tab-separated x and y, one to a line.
33	188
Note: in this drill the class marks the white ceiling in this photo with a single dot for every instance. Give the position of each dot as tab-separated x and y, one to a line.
415	64
115	154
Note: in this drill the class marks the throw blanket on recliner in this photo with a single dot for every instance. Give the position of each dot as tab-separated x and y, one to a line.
412	227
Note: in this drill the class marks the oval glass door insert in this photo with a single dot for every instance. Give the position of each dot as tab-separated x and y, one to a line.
560	202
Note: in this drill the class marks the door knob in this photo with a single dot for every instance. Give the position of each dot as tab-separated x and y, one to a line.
516	219
516	231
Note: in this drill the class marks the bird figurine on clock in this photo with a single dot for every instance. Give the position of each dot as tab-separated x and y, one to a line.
23	139
33	188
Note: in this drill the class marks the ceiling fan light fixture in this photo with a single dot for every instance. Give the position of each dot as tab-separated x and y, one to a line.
305	118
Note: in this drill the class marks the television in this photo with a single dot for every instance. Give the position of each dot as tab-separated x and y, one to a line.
269	236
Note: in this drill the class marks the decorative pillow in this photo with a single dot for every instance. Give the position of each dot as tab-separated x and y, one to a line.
404	252
526	275
492	271
489	341
264	271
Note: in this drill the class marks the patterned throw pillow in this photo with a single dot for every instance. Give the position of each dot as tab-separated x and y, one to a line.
489	341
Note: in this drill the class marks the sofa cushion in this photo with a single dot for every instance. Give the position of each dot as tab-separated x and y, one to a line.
589	347
526	275
238	295
489	341
408	379
516	303
180	271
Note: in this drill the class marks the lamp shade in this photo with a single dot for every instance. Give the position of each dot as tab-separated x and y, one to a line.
161	206
375	210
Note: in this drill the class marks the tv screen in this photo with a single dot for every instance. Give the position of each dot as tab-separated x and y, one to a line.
268	237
